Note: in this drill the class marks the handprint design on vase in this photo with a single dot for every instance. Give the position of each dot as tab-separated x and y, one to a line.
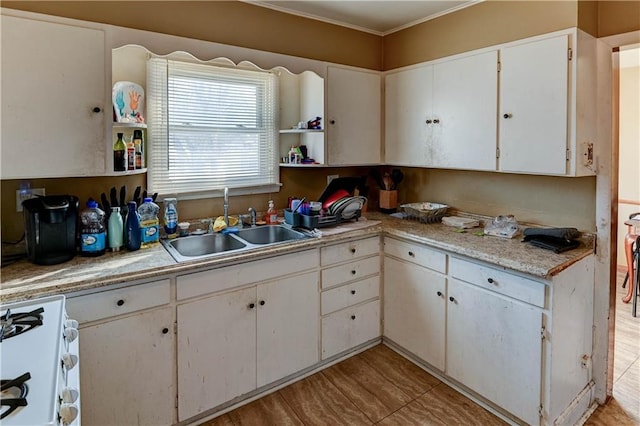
128	102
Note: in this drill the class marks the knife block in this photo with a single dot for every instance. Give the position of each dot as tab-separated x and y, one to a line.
388	199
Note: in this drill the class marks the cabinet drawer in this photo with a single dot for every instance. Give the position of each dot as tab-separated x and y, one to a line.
93	307
416	253
348	251
514	286
215	280
350	294
350	327
337	275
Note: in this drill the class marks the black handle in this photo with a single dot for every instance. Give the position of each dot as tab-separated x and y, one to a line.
165	330
439	293
490	280
507	115
451	299
262	303
353	292
353	250
332	121
436	121
251	305
97	109
353	317
353	272
412	254
429	121
120	302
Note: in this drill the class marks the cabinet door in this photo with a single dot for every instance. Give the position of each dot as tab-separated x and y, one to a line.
49	127
408	106
288	326
534	107
354	111
465	99
127	370
350	327
414	310
216	351
494	347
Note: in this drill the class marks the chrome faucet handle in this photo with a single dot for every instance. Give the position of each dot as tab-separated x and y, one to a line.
209	222
253	214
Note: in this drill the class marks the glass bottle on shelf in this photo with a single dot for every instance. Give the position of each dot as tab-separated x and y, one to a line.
119	155
139	149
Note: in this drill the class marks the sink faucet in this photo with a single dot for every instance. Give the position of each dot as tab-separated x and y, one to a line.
226	206
252	212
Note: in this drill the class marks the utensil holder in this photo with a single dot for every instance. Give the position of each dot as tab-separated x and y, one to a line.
388	199
291	218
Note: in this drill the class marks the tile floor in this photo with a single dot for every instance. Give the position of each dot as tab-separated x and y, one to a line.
381	387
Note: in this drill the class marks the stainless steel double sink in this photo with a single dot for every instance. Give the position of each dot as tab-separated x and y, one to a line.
208	245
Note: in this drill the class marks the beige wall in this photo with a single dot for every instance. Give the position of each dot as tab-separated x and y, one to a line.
618	17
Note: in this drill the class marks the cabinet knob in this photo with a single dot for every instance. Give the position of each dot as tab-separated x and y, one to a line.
412	254
332	121
120	302
451	299
353	292
490	280
353	272
262	303
507	115
353	251
165	330
353	317
436	121
97	109
429	121
251	305
439	294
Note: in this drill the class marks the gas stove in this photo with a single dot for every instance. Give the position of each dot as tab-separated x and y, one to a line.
40	381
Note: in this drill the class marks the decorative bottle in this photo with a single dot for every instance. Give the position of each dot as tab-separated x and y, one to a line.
119	155
132	227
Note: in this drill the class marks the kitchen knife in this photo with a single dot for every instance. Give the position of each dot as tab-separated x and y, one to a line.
136	195
123	196
114	197
105	203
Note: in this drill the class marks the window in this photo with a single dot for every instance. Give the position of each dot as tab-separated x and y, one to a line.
210	127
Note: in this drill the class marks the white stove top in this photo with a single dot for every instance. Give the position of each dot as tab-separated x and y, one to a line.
36	351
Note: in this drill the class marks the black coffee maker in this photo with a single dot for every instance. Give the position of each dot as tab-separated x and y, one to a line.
50	228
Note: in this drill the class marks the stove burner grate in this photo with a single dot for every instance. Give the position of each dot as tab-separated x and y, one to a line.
13	394
14	324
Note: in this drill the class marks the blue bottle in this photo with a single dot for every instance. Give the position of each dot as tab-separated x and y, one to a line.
93	233
132	227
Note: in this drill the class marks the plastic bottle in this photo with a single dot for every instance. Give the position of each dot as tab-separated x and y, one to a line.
138	145
119	155
131	156
171	217
115	229
149	224
92	231
132	227
272	215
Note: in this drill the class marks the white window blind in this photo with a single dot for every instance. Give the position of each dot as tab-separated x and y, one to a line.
210	127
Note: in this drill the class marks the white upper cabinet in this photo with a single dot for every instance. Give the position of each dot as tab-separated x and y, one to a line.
464	113
408	107
534	107
53	99
353	116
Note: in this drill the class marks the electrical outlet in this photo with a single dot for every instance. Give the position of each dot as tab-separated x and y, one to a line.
331	177
30	193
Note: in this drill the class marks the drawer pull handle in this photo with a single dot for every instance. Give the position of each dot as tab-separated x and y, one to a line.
439	294
412	254
353	317
251	305
96	109
262	302
490	280
451	299
165	330
353	292
353	272
353	250
120	302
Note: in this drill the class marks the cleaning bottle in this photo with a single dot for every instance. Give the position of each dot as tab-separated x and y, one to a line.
171	217
132	227
149	224
92	231
272	215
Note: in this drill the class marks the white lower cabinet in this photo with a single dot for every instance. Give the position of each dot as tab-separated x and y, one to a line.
127	358
232	343
520	342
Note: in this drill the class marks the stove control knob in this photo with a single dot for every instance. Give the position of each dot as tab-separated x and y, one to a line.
70	334
68	413
71	323
69	395
69	360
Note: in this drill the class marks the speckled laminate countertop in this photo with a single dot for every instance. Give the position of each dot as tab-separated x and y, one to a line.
24	280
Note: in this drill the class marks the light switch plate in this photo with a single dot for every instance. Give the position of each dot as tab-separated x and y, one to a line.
30	193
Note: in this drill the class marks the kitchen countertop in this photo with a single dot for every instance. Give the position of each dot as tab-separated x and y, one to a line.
24	280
